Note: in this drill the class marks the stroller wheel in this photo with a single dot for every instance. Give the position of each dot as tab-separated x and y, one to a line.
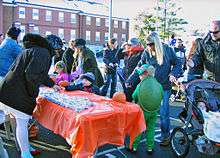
179	142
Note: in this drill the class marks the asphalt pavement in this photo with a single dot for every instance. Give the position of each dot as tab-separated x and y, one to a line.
54	146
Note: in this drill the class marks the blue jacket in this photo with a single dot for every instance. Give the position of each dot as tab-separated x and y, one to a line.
9	50
170	66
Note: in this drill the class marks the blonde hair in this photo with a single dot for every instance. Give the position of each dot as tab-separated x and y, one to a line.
61	65
154	38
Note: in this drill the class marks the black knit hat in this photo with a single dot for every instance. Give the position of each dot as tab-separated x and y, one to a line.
13	32
79	42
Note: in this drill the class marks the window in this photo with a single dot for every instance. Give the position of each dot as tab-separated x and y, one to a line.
73	18
22	27
88	35
97	36
123	37
61	33
73	34
88	20
123	24
48	33
106	36
115	35
35	14
21	12
61	17
106	22
115	24
98	22
48	15
36	30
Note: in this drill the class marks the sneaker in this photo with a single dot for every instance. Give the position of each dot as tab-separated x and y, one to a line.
165	142
131	150
150	151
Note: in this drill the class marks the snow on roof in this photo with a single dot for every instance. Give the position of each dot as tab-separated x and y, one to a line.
88	7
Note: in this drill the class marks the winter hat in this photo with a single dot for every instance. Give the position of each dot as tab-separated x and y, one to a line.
79	42
13	32
89	76
146	67
133	41
55	41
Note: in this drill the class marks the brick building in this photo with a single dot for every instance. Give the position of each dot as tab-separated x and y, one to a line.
67	19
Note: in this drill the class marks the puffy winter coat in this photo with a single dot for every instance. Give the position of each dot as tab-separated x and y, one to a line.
20	87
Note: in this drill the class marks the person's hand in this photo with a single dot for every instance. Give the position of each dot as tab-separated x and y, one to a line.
172	78
128	85
56	88
111	64
115	64
190	63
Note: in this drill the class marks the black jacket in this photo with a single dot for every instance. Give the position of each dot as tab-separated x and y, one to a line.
208	54
20	87
68	59
109	56
130	59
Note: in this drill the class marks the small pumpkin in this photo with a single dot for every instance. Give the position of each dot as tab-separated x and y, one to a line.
63	83
119	97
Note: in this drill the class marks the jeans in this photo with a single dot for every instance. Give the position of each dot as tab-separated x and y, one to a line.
165	115
122	78
109	78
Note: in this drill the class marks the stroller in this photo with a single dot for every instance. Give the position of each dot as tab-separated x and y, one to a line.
201	117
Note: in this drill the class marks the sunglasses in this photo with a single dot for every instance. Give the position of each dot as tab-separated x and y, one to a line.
150	44
214	32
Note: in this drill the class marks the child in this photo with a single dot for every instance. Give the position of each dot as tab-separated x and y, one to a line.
87	84
60	68
148	94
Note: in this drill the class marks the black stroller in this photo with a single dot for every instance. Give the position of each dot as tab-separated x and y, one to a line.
201	95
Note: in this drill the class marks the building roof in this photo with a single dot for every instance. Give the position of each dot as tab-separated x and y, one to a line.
87	7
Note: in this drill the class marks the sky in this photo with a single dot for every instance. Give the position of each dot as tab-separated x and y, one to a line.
198	13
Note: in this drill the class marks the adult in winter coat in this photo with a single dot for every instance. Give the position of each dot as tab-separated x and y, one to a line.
68	57
111	63
131	55
9	50
85	60
167	68
208	53
180	50
19	89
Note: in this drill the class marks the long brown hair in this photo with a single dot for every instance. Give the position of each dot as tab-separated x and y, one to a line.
193	48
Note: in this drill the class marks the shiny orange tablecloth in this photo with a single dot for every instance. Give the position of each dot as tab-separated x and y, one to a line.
98	125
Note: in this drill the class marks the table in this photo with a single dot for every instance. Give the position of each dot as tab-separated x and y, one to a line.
94	127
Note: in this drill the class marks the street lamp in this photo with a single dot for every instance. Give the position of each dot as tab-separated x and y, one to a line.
110	20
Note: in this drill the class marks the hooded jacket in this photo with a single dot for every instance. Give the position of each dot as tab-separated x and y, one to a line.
20	87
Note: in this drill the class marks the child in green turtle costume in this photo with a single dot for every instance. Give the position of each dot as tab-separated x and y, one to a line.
148	94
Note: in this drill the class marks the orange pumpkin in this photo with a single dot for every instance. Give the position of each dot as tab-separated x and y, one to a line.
63	83
119	97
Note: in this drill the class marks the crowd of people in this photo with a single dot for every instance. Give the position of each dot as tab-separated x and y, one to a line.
146	77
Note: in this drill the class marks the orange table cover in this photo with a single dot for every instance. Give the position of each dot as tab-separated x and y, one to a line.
91	128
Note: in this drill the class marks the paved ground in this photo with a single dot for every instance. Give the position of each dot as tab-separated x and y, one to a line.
53	146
